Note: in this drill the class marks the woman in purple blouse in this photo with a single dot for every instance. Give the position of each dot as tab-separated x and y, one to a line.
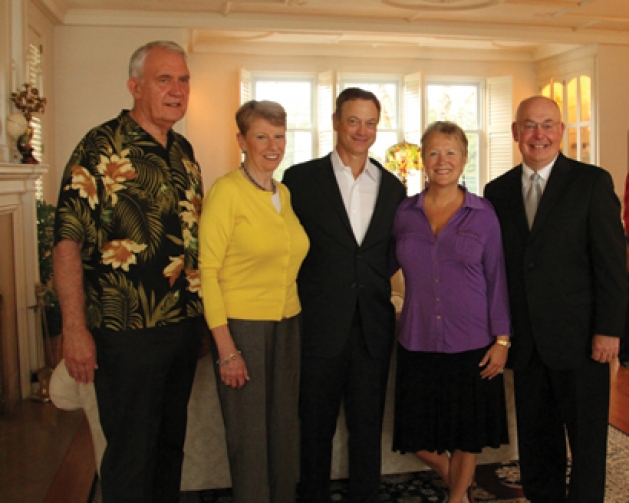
454	327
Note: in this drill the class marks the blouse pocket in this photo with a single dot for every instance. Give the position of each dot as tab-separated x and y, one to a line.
469	245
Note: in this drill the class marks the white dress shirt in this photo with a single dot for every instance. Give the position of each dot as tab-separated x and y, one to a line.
359	195
543	173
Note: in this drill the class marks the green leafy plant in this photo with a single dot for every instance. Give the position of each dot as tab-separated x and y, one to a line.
45	240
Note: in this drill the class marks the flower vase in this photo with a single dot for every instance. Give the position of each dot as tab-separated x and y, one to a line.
24	144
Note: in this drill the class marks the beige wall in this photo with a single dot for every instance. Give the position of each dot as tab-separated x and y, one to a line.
5	67
91	70
215	98
39	23
91	73
612	94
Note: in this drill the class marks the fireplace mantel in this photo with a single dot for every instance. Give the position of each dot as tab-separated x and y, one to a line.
18	189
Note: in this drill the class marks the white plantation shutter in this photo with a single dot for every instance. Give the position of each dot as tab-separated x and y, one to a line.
246	93
499	119
35	77
413	108
325	108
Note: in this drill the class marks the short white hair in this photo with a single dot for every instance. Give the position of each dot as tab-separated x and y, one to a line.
136	64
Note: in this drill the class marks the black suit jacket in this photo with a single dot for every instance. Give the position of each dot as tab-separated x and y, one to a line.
566	275
338	276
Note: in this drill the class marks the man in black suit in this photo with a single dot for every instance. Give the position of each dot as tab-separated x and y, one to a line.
346	203
567	289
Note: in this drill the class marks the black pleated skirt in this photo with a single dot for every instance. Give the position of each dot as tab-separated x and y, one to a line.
443	404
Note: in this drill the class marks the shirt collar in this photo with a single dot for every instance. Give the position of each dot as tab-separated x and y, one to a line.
370	169
471	201
544	173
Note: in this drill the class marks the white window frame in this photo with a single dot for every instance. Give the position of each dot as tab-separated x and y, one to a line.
495	110
479	131
562	73
248	82
344	79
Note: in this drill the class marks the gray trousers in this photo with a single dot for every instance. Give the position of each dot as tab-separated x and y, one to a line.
262	418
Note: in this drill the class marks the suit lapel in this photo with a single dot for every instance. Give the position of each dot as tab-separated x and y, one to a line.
516	201
374	229
554	188
332	194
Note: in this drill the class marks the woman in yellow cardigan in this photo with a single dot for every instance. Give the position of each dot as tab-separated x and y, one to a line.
251	248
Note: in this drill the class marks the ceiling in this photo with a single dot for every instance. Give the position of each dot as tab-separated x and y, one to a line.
521	29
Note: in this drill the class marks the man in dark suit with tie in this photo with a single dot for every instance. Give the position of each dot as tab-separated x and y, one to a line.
346	203
567	289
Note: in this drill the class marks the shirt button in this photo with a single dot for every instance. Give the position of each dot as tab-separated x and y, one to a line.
438	317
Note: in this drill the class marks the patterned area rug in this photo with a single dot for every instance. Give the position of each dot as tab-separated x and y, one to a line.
495	483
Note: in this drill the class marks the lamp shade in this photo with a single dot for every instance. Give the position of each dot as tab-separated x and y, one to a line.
16	125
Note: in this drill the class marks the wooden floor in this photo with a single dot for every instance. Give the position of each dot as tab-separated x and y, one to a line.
35	438
75	476
619	402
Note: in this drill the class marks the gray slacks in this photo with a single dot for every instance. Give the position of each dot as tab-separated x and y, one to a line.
262	419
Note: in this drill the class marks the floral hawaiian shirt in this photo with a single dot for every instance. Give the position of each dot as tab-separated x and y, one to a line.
135	206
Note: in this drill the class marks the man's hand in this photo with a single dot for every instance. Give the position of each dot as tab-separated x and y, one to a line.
605	348
79	352
79	349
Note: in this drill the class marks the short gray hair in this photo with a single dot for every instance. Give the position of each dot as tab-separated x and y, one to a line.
268	110
136	63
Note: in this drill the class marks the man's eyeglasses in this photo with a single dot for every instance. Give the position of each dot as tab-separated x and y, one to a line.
530	126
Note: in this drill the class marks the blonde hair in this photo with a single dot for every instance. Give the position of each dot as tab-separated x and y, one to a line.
449	129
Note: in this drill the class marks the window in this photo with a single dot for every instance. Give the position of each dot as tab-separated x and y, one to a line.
309	102
459	103
573	95
296	95
389	127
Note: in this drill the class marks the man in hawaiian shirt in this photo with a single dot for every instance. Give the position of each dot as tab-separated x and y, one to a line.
125	263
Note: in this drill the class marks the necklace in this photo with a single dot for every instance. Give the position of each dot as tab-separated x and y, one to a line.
248	175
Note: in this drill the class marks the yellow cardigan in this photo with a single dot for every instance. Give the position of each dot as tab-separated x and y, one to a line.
249	254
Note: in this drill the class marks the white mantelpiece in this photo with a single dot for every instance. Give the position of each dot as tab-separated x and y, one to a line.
18	199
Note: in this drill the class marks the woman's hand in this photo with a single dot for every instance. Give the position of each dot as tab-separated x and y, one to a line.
233	370
495	359
232	366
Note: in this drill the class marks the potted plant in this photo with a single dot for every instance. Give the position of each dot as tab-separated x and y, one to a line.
45	239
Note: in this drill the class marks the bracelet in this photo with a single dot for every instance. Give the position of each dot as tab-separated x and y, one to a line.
501	342
226	361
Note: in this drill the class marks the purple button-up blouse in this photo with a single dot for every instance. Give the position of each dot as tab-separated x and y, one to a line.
456	289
